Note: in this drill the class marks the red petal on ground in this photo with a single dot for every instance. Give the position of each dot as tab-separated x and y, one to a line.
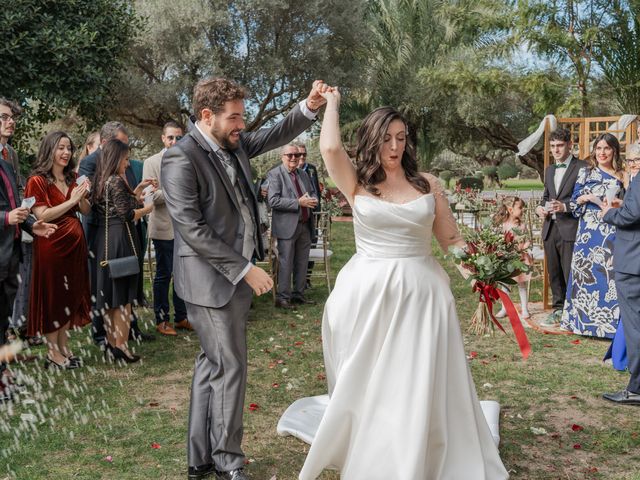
573	397
156	446
153	404
280	362
297	344
253	407
473	354
275	385
548	346
555	435
272	365
484	362
577	446
592	469
322	376
576	342
292	325
577	428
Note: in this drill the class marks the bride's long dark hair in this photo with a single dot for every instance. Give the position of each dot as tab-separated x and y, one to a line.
370	137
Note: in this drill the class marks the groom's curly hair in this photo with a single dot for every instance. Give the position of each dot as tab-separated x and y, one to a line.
370	137
213	93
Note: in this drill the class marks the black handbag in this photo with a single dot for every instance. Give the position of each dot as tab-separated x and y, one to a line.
123	266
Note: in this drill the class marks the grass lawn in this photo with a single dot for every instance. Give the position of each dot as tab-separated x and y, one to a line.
522	184
103	421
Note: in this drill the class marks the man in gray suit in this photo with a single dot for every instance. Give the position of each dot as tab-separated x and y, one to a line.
206	183
292	199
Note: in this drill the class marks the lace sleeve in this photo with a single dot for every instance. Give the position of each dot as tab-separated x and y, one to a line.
445	228
122	201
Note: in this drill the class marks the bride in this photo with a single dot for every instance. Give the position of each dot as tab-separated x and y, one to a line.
402	405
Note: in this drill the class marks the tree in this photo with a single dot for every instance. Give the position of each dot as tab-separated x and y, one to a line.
618	54
61	56
276	48
566	32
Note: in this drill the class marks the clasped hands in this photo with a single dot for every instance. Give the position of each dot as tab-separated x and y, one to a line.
39	228
308	201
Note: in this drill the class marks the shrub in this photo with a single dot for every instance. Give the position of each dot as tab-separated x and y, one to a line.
446	176
506	171
471	182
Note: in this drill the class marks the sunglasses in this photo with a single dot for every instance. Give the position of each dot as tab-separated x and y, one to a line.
176	138
294	155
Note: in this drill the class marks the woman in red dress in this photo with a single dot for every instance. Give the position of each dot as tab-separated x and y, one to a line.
60	295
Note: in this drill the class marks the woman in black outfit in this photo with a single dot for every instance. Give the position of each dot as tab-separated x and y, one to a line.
116	203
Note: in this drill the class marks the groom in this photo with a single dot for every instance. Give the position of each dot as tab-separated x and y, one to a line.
206	179
626	264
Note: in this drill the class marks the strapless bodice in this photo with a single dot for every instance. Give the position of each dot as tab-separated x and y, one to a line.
391	230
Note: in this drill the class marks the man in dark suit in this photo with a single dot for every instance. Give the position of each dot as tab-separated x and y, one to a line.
560	226
13	219
292	199
109	131
626	264
206	180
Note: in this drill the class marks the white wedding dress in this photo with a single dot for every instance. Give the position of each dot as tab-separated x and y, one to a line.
403	405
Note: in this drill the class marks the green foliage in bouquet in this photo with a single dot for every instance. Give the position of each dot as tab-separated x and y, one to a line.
490	256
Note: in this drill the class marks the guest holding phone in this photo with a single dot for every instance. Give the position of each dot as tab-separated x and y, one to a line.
116	208
60	295
559	227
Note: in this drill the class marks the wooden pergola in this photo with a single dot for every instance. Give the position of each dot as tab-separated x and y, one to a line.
583	132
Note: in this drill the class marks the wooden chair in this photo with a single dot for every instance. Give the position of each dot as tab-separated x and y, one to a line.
534	230
321	254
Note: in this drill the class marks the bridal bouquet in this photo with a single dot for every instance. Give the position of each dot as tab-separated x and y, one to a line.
492	258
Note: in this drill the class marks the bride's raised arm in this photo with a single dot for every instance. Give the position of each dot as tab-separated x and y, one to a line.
338	164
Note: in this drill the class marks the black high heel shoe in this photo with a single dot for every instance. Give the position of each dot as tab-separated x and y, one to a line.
120	355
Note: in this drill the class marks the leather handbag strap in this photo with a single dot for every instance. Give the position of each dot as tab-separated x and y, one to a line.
104	262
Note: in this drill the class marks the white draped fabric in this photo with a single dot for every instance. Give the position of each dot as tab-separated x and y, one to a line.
403	404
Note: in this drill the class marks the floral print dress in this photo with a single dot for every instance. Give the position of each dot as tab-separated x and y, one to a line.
591	307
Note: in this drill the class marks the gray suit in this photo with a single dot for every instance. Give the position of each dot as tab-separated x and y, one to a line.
294	236
209	230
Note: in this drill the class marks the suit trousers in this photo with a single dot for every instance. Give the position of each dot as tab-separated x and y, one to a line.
8	288
219	382
558	253
293	256
628	287
161	282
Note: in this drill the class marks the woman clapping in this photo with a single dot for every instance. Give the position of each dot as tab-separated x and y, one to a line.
60	296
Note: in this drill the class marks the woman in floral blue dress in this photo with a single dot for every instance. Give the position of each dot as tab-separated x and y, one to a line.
591	307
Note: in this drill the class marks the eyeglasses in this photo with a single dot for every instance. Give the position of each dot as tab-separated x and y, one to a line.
171	138
633	160
294	155
5	118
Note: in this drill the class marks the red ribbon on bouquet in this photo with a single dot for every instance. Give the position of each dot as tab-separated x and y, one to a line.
488	294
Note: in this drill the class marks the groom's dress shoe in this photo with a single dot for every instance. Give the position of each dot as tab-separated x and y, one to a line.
233	475
201	471
284	304
624	397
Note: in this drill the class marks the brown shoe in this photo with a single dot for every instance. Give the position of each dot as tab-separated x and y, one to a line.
165	329
183	324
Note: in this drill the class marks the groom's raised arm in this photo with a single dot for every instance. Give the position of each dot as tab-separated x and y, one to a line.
180	186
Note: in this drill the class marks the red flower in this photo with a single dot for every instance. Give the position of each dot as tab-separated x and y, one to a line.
509	237
471	248
253	407
577	428
577	446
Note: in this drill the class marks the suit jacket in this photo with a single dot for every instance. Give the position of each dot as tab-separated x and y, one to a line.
160	227
565	222
626	219
8	232
312	171
283	200
207	222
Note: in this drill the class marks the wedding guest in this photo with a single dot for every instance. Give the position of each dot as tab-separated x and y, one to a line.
626	265
13	220
161	234
312	172
60	296
116	207
91	144
292	199
9	114
509	219
560	226
591	306
617	351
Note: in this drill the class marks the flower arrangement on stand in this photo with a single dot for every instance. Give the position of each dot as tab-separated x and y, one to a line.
467	199
492	259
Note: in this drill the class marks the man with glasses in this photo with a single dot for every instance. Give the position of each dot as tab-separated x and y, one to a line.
292	198
312	171
625	217
161	234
